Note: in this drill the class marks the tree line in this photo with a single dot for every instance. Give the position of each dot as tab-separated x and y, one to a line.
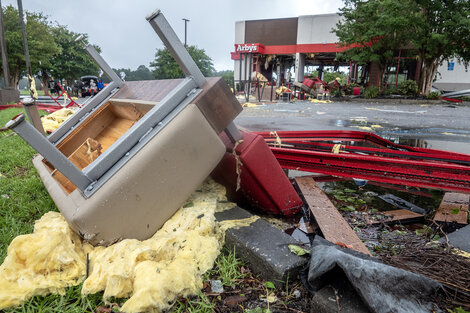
54	53
53	50
436	30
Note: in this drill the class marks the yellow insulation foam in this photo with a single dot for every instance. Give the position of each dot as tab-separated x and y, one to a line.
46	261
52	121
152	273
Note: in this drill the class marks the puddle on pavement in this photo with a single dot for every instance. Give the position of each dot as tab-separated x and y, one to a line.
440	138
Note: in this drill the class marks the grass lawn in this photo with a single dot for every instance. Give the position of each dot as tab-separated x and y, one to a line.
27	93
24	199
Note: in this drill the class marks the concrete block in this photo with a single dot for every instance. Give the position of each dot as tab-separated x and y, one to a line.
9	95
263	247
459	238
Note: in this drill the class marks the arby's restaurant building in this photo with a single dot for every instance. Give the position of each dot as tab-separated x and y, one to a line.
274	46
286	49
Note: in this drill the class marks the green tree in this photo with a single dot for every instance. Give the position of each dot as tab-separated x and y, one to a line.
227	75
374	29
437	30
141	73
165	67
441	31
41	42
72	62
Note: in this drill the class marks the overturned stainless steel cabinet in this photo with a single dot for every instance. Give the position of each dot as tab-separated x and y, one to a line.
130	158
148	189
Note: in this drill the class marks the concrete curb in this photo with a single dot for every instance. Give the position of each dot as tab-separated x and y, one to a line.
383	101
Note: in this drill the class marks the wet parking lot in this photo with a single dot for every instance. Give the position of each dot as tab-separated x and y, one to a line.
423	124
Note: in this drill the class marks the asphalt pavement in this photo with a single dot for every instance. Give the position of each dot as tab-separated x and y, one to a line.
425	124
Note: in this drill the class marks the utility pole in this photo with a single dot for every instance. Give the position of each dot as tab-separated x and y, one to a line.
30	105
185	31
8	93
3	46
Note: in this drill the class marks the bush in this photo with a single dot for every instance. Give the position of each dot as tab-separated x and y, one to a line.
408	88
348	89
371	92
392	90
334	92
465	98
434	95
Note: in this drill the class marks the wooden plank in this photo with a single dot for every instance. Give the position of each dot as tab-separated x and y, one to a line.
81	158
86	153
453	208
63	181
332	224
90	128
401	215
131	109
114	130
455	197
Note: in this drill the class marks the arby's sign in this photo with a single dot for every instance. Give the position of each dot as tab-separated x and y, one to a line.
249	48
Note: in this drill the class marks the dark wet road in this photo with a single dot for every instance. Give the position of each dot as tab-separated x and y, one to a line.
436	126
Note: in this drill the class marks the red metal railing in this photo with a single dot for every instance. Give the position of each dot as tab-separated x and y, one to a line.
368	156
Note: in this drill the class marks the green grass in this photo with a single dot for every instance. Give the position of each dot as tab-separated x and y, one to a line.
72	302
227	268
199	304
24	199
27	93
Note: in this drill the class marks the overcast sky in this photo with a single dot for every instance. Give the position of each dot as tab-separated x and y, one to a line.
127	40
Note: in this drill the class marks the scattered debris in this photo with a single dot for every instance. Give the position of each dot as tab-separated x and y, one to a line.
332	225
296	293
434	261
383	288
234	300
251	104
300	236
298	250
459	239
453	209
52	121
402	216
216	286
305	226
402	204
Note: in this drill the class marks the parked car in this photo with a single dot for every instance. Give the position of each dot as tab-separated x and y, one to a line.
89	85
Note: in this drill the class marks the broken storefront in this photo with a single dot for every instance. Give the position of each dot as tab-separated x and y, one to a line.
283	51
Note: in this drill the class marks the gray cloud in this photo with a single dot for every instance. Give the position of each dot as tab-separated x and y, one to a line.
127	40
